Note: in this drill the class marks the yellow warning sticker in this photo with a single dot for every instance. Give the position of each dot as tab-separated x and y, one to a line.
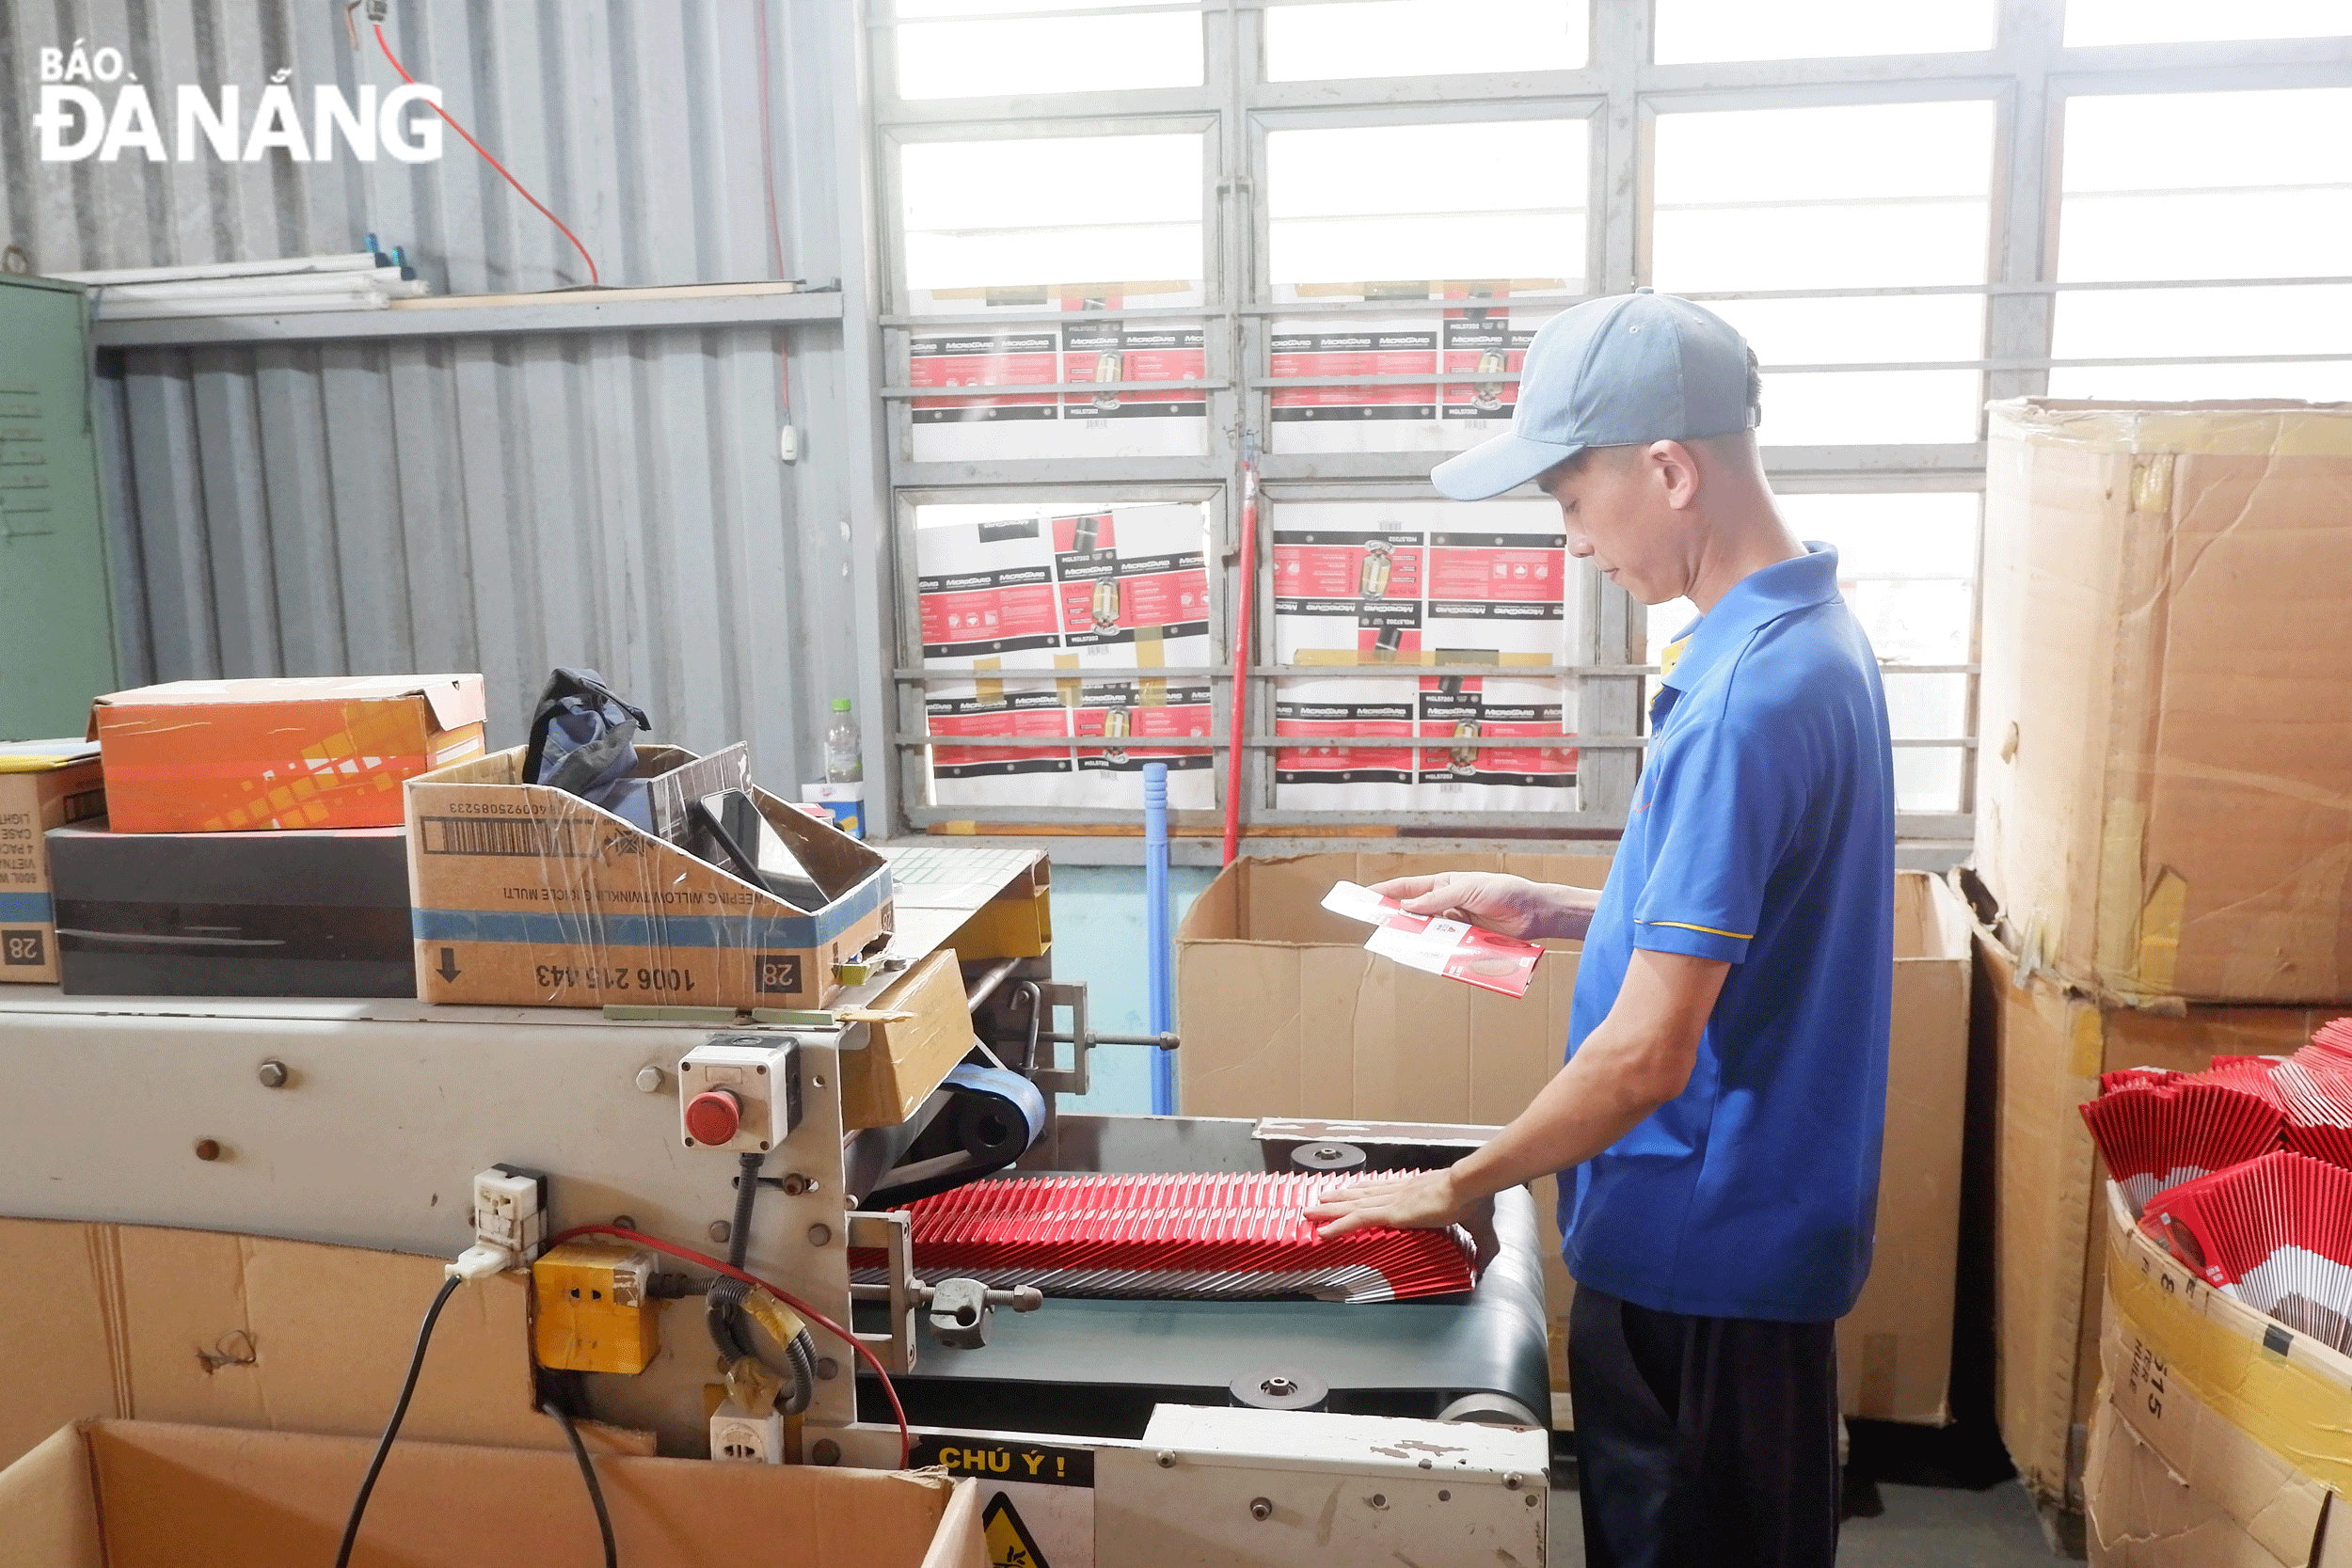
1009	1544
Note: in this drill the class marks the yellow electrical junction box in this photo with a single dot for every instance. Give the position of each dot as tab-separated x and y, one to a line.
593	1307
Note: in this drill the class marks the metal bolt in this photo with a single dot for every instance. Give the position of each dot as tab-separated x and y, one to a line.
1165	1458
1279	1386
1425	1461
649	1080
1512	1481
828	1369
824	1451
1327	1152
1530	1499
820	1235
1379	1499
208	1149
1260	1508
1444	1496
720	1230
626	1222
795	1184
273	1075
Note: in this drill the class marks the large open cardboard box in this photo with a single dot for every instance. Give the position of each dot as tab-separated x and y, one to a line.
148	1495
2160	799
2218	1441
1283	1013
2051	1041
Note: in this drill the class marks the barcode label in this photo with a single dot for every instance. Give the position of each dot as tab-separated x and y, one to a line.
490	835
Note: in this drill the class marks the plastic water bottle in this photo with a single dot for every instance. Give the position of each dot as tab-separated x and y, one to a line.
844	753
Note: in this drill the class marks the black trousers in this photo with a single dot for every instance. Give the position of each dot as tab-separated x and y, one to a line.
1703	1442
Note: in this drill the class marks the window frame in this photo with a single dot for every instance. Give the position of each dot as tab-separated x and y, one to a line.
2028	75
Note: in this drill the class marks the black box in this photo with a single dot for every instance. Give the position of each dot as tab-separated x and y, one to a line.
322	912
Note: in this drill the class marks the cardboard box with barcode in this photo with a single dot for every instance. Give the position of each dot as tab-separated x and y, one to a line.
2161	802
526	895
44	785
1284	1012
325	752
2217	1440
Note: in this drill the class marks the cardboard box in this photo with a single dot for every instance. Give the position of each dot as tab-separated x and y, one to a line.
44	785
152	1323
143	1495
2218	1441
322	912
2051	1041
2160	800
329	752
528	896
1283	1013
920	1030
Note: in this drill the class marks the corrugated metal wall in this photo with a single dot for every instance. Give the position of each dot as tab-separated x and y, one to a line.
610	498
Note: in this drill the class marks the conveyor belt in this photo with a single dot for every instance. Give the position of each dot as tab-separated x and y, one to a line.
1096	1367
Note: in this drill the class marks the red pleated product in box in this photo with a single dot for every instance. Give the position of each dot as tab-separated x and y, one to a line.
2273	1232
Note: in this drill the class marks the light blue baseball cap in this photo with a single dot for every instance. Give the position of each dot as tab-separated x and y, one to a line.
1612	372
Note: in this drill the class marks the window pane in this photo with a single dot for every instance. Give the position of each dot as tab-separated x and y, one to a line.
1806	29
1851	195
1043	622
1427	202
1422	37
2090	22
987	220
1381	596
2185	185
1040	54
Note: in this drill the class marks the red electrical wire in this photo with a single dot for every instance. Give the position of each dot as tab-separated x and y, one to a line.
906	1435
593	277
1245	582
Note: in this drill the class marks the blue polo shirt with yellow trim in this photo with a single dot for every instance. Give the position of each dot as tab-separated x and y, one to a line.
1762	833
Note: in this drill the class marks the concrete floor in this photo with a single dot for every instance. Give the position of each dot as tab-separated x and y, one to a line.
1924	1526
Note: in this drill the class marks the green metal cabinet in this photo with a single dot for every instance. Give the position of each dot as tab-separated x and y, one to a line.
57	628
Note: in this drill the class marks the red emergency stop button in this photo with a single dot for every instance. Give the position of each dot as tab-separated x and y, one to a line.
713	1117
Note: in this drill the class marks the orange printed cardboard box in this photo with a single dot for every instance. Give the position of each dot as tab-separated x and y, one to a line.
525	896
329	752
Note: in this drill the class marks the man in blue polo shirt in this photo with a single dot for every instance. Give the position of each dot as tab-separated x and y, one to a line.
1717	1124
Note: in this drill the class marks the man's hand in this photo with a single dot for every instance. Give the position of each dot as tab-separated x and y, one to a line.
1512	906
1425	1201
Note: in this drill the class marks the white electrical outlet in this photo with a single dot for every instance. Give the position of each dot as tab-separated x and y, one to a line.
508	1212
742	1097
739	1437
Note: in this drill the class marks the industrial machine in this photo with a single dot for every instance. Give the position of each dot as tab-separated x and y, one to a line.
1159	1431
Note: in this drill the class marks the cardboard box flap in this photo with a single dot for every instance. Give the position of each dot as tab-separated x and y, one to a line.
200	1497
248	1331
2245	428
49	1505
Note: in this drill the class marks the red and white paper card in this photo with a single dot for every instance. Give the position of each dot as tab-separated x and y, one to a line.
1448	947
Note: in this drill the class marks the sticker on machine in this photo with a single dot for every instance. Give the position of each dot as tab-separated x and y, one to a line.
1037	1508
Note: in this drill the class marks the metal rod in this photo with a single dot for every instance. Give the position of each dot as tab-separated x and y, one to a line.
1079	389
985	987
1163	1041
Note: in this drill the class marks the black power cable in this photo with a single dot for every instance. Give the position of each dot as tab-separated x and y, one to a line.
588	1472
391	1427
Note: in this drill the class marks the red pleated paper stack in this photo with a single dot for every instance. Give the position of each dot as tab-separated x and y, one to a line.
1213	1235
2315	1087
2157	1129
2274	1232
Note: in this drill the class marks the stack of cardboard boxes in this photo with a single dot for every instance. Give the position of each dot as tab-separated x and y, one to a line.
2164	830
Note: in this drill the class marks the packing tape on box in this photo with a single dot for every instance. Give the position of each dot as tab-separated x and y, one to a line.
2254	1384
2279	431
